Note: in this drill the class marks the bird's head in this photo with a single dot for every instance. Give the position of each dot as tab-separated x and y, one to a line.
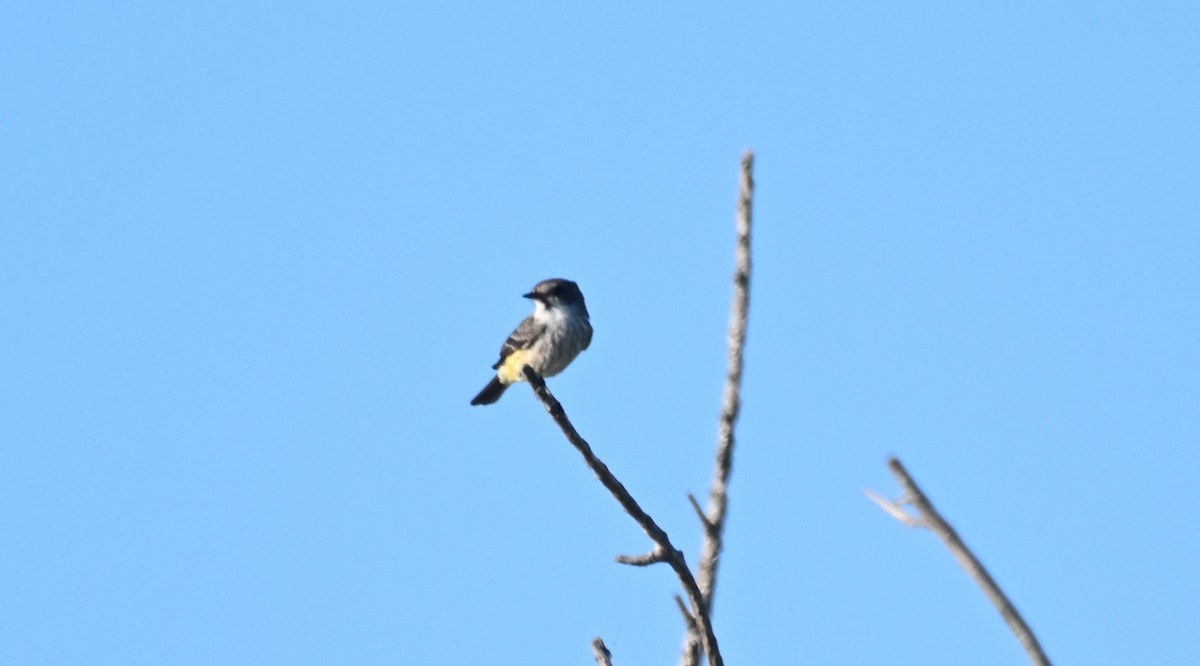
557	292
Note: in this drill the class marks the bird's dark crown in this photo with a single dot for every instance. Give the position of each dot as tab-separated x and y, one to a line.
556	290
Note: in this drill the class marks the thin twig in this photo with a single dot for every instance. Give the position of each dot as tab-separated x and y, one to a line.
688	620
931	519
672	555
896	511
703	517
653	557
600	650
714	518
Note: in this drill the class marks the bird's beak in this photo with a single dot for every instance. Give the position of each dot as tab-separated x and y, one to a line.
529	295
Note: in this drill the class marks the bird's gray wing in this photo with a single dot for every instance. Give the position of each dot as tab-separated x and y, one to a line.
522	338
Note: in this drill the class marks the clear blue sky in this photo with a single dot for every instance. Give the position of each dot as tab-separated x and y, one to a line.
256	258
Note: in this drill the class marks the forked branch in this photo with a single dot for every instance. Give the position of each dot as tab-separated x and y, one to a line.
932	520
713	520
662	544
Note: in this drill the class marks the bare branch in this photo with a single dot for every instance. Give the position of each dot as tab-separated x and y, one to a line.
714	518
600	650
662	543
938	525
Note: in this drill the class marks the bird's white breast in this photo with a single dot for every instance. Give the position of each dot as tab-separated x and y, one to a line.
567	333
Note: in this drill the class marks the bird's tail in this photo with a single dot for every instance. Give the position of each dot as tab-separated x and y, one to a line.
490	393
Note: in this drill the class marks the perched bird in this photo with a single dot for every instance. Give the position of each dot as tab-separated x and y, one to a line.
548	340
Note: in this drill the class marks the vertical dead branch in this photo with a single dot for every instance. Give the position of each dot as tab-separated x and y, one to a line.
931	519
600	651
663	551
714	519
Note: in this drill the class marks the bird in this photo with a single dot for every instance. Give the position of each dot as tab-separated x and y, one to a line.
547	340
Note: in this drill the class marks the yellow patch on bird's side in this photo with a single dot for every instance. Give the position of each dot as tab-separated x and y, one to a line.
510	370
